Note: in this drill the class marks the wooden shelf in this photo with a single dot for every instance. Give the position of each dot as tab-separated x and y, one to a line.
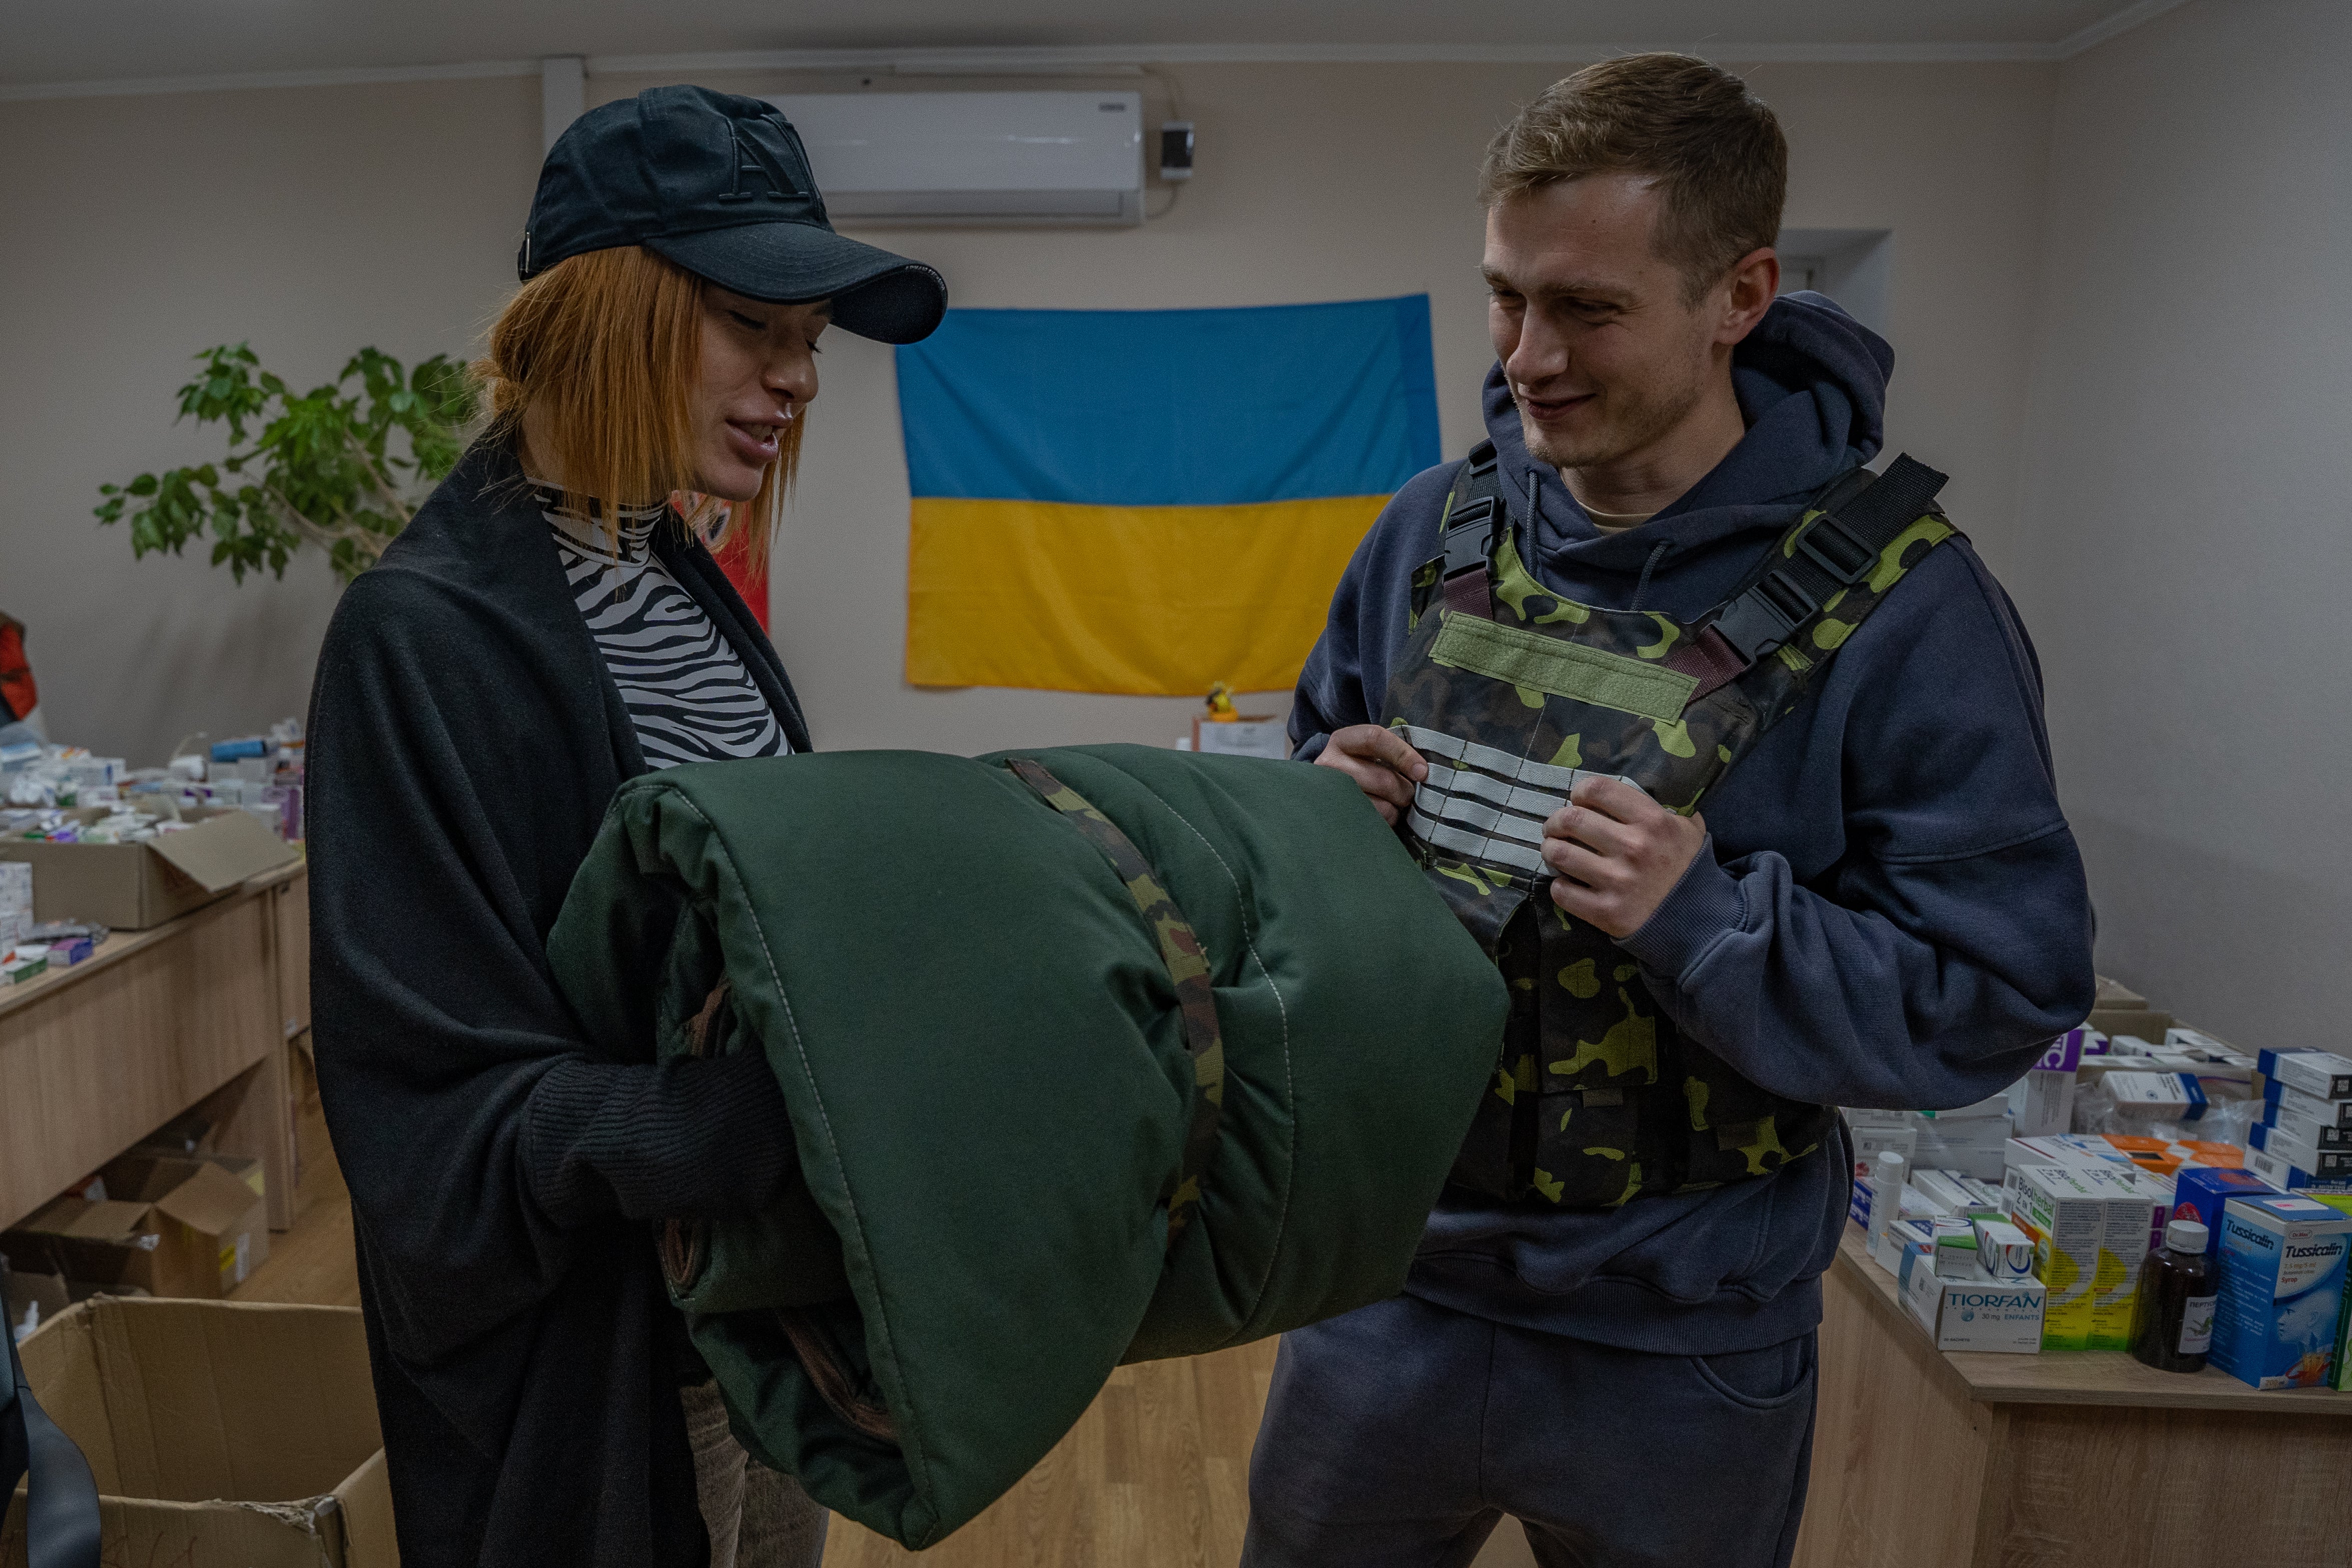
2083	1377
197	1010
120	944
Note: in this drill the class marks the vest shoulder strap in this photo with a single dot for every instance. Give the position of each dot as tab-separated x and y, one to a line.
1851	521
1474	521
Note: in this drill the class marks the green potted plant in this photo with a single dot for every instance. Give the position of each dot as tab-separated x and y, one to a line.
326	465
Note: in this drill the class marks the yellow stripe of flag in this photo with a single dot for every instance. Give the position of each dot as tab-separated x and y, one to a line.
1159	601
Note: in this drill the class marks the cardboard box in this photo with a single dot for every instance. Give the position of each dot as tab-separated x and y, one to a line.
28	1301
132	886
222	1434
2283	1276
2000	1315
110	1243
2145	1022
2116	994
211	1207
168	1227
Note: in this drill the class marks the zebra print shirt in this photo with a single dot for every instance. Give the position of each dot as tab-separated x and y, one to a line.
686	690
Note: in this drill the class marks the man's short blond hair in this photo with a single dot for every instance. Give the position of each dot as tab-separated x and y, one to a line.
1712	148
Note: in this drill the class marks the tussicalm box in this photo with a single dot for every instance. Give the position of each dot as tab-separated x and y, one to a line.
2283	1271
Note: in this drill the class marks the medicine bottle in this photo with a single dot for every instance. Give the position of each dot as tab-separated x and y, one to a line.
2172	1319
1887	1176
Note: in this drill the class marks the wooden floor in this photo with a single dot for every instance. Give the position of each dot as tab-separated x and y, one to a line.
1156	1475
313	1263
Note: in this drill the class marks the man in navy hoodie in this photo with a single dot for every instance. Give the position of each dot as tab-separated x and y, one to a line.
1610	1331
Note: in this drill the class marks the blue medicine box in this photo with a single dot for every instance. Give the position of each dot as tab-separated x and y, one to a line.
2283	1271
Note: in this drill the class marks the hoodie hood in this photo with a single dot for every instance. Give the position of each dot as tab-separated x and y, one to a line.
1812	384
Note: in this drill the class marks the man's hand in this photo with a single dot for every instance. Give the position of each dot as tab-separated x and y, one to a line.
1617	854
1383	767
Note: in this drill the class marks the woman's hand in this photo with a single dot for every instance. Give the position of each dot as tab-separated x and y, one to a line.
1383	767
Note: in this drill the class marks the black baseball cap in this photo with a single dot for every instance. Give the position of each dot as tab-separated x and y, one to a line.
720	185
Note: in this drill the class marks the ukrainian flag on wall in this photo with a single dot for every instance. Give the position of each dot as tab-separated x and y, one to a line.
1149	501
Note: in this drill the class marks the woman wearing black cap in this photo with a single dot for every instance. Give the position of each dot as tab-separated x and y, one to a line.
545	629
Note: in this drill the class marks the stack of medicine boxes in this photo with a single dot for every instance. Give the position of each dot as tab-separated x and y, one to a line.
2304	1135
2091	1225
1965	1271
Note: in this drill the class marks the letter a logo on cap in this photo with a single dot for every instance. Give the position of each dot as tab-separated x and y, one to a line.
754	163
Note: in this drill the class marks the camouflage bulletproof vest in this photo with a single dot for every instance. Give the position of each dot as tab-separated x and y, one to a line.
1510	694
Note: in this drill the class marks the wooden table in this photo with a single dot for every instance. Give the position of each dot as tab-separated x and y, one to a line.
1925	1458
200	1011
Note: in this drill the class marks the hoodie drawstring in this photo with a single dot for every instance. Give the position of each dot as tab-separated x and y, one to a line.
1649	566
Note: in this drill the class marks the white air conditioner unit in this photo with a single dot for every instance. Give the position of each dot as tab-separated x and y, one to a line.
900	158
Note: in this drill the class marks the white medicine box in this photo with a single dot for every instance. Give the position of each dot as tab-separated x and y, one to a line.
2003	1316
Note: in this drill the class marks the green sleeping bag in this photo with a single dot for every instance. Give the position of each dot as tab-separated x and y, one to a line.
977	1009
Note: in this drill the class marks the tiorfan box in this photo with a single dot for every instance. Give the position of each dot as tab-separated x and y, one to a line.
2003	1316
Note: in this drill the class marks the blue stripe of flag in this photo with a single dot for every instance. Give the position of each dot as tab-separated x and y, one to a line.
1172	408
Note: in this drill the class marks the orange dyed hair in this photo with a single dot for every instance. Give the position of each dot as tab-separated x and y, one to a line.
606	346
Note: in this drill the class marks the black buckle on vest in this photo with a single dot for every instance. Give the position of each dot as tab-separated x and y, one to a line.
1845	558
1761	619
1470	536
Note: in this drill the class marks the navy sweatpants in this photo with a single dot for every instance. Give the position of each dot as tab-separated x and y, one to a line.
1397	1437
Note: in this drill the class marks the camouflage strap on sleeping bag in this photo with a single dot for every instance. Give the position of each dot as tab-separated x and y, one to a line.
1188	971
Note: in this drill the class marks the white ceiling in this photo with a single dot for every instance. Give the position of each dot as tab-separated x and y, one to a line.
51	42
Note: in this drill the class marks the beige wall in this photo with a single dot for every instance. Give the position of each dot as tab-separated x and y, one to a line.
2187	565
315	220
310	221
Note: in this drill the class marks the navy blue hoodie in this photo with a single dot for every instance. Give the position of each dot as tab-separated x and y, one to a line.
1890	910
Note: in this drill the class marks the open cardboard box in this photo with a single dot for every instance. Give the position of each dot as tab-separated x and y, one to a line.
132	887
222	1434
169	1226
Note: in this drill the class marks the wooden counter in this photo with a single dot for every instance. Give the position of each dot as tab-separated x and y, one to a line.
1924	1459
199	1009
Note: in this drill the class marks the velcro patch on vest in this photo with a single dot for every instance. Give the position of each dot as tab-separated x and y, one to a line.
1487	792
1565	669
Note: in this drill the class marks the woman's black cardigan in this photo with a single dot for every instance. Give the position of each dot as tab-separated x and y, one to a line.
465	739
